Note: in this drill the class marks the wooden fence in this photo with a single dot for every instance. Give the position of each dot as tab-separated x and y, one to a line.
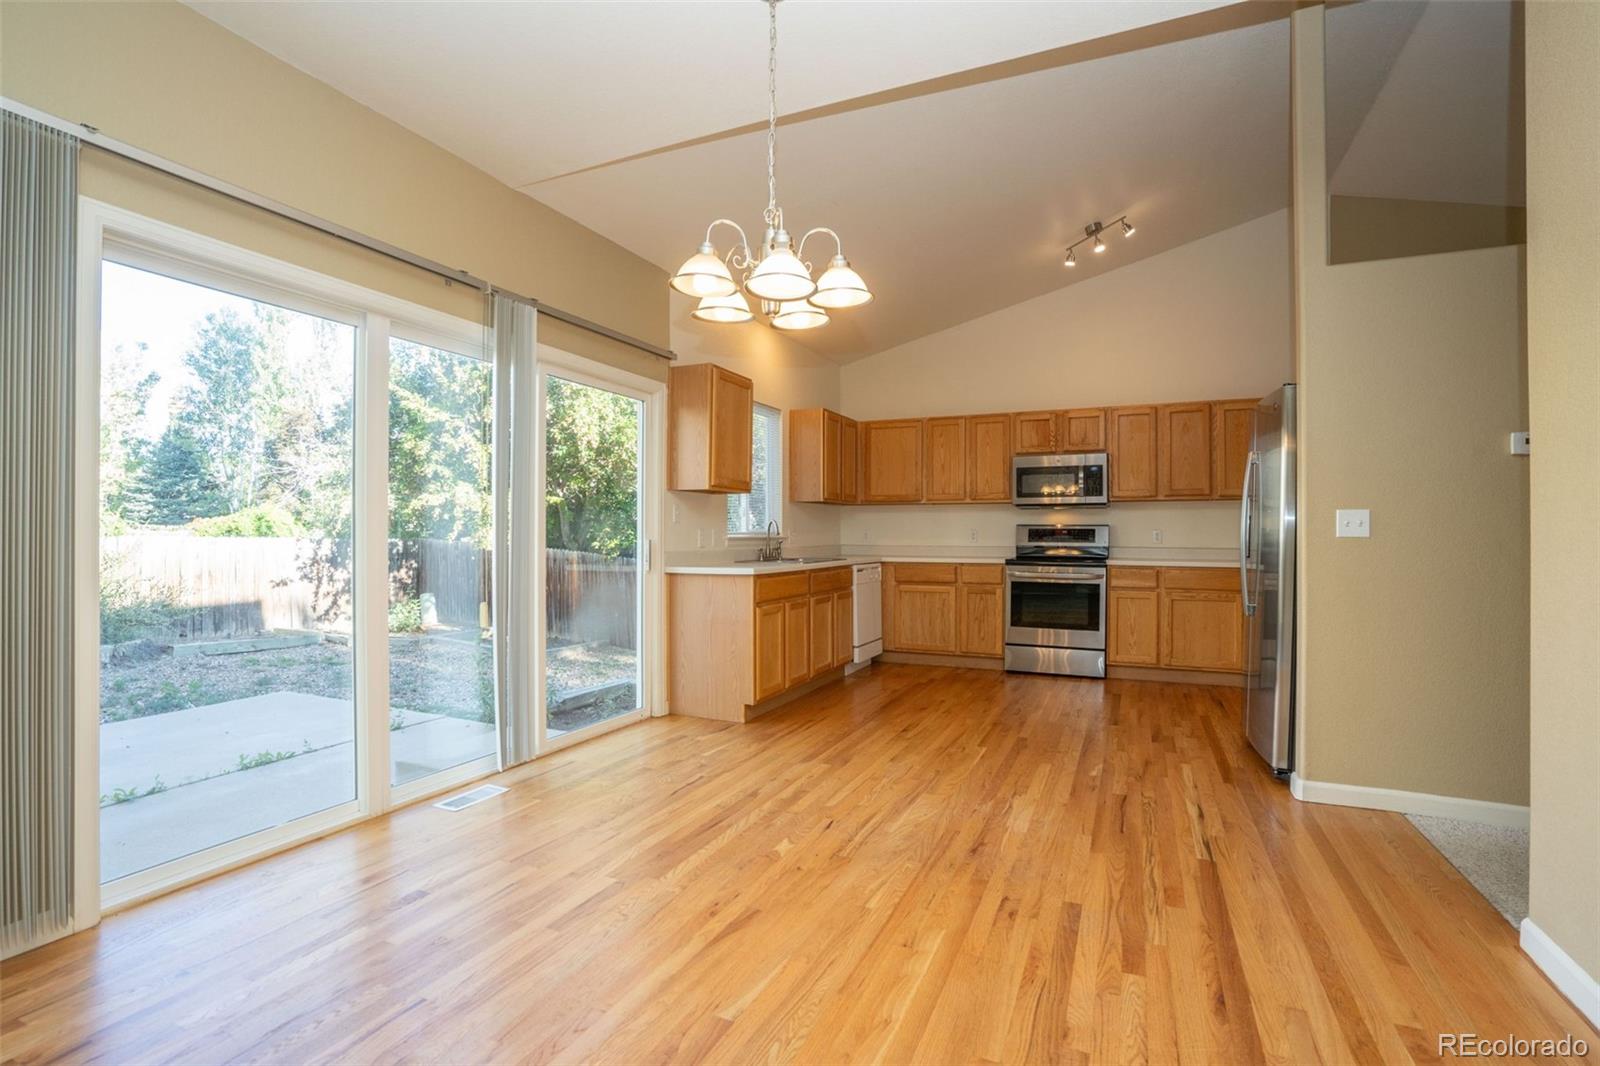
242	586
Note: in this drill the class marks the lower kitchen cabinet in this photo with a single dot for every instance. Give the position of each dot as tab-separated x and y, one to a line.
944	609
1176	618
736	641
982	629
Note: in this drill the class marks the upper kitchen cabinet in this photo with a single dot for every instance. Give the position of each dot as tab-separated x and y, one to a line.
822	458
944	455
1083	430
989	458
1232	427
1183	450
1035	432
891	461
709	411
1131	442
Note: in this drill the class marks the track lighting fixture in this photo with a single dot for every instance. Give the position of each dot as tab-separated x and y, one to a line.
1092	233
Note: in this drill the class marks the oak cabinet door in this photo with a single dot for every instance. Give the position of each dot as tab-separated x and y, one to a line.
770	666
891	461
1084	430
1033	432
1202	630
1132	626
982	623
844	627
989	458
944	454
1183	456
822	622
796	641
1131	443
849	461
709	412
1233	426
832	443
925	618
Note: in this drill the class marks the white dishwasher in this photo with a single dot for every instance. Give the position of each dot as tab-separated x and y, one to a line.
867	596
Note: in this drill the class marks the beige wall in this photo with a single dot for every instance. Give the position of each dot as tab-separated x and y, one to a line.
1373	227
1412	644
165	79
1563	70
787	377
1206	320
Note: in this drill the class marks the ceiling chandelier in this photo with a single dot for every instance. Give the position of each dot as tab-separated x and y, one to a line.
1092	232
778	277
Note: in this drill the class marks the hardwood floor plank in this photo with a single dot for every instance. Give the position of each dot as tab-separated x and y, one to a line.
915	864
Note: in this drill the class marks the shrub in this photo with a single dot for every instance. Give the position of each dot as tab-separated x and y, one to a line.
130	608
406	615
262	520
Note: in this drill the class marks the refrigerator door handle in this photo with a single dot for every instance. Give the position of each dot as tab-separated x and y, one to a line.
1251	466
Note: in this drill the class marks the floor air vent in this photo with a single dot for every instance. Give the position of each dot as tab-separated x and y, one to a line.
467	799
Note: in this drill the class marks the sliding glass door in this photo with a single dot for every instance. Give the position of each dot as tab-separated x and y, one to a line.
594	580
441	515
226	643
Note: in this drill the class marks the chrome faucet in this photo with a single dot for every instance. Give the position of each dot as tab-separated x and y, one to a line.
773	549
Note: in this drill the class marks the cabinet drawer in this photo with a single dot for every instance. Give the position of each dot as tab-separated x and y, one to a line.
1221	579
771	587
1132	577
982	574
925	573
830	580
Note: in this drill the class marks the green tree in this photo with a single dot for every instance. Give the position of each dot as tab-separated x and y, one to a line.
220	412
173	485
591	469
124	396
439	445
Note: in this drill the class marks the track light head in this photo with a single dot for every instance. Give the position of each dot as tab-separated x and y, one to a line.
1070	261
1127	228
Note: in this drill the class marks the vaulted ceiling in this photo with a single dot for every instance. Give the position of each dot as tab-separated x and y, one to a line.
957	147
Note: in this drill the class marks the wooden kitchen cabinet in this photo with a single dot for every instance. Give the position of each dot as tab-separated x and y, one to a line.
1034	432
989	458
1200	630
770	676
1131	444
1183	450
982	621
709	411
844	621
944	454
925	618
822	457
737	642
1233	425
891	461
1083	430
1132	627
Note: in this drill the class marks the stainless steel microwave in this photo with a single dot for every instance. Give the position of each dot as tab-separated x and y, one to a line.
1059	480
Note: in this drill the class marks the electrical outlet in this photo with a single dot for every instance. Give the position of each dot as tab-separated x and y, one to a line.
972	535
1155	536
1352	522
699	538
674	514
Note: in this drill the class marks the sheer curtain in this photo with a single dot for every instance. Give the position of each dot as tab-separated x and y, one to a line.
514	326
38	235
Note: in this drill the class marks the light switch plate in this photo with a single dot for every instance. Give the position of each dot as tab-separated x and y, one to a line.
1352	522
1520	443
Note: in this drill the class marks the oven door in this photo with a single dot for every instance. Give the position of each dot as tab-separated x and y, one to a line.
1058	480
1056	606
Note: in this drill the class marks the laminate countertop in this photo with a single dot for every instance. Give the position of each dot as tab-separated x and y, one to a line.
785	566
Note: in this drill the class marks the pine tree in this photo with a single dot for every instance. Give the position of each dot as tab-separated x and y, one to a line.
171	486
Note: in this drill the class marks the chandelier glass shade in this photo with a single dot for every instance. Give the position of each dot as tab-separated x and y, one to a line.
730	308
799	314
776	271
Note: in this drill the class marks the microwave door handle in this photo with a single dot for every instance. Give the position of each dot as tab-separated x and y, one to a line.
1252	466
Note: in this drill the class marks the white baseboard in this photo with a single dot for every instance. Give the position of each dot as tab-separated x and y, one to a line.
1570	979
1394	799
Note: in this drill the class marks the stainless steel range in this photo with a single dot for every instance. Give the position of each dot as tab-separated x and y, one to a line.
1056	600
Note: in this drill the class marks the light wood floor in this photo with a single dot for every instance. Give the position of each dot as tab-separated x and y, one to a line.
916	865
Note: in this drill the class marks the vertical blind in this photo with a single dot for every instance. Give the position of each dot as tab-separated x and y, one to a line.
513	324
38	234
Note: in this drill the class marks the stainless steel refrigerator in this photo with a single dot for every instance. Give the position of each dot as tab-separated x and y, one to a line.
1266	579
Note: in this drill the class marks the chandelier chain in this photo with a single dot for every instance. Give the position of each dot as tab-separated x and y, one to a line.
772	112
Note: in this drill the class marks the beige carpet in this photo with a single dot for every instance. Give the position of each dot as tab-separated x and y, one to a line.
1494	858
